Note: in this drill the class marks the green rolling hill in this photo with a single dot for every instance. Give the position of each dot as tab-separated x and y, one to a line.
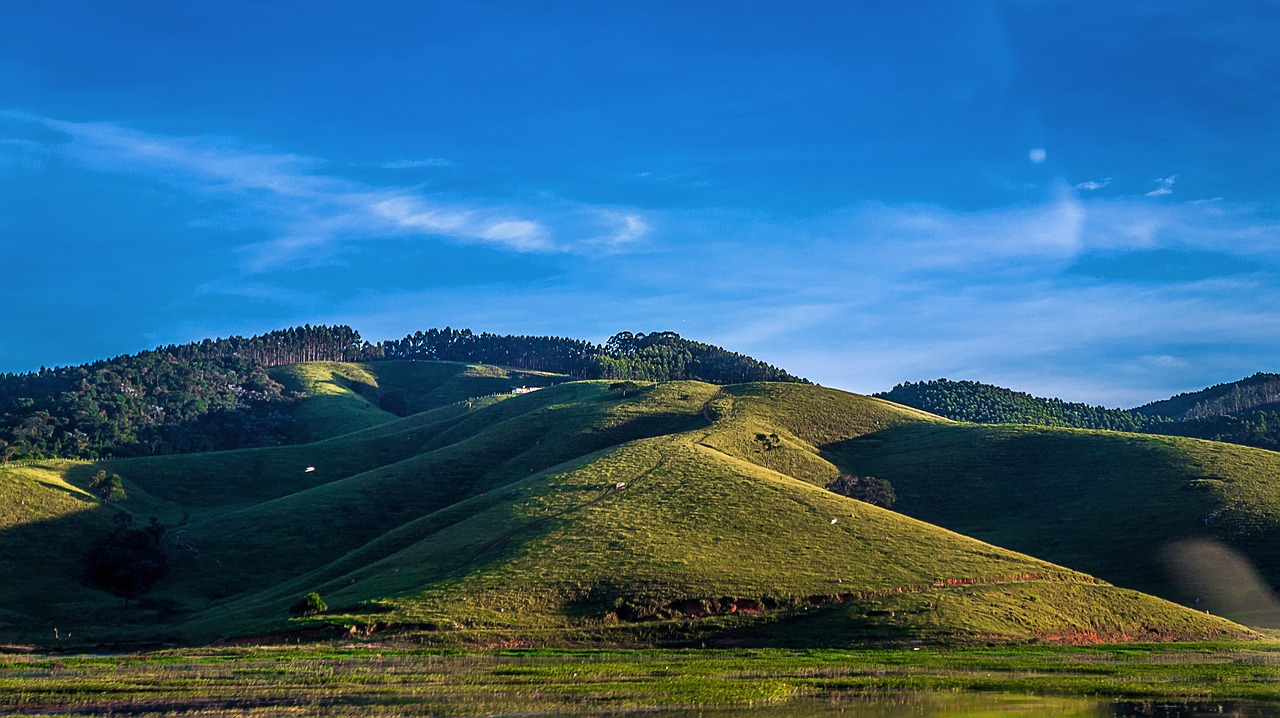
1112	504
583	513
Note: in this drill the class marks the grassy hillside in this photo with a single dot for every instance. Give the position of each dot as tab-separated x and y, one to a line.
1110	504
342	397
572	513
696	533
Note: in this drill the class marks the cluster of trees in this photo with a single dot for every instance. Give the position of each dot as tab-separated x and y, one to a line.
108	488
559	355
987	404
279	348
217	394
658	356
1260	428
205	396
1241	413
1236	398
666	356
149	403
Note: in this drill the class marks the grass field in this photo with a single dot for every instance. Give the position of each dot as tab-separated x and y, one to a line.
388	680
577	515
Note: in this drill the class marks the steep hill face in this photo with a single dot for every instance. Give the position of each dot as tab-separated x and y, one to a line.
1111	504
583	511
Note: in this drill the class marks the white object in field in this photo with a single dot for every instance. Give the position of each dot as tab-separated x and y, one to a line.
309	469
834	520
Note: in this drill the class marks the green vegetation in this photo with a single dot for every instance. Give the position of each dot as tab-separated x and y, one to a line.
354	681
108	488
1118	506
864	488
309	605
237	392
1244	412
987	404
658	356
1235	398
546	526
567	514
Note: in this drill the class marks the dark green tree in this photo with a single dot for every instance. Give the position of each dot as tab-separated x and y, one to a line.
309	605
108	488
623	386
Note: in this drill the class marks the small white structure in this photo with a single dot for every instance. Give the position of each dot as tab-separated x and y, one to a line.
620	485
526	389
309	469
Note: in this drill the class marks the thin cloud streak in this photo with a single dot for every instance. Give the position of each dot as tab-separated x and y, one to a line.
315	217
415	164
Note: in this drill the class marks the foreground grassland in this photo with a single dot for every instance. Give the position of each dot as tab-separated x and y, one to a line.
383	680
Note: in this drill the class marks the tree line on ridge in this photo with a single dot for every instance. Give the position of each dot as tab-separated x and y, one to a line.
218	393
1244	412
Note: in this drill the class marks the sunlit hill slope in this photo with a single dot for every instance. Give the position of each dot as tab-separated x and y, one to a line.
594	511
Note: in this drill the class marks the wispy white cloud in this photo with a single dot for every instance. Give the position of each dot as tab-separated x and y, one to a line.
414	164
1166	186
620	230
924	237
1092	185
313	216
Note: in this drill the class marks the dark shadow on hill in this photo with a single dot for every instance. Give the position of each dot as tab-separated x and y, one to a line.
1102	503
47	598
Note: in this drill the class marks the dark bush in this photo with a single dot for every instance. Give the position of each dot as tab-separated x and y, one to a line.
864	488
129	561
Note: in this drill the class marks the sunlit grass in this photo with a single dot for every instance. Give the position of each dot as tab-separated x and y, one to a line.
384	679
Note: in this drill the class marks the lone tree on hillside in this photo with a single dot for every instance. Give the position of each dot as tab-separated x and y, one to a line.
864	488
623	386
767	443
108	488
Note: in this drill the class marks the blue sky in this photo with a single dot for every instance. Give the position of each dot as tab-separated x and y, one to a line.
1069	198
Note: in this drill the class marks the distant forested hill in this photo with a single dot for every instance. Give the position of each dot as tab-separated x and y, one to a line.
988	404
1260	392
217	394
1244	412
